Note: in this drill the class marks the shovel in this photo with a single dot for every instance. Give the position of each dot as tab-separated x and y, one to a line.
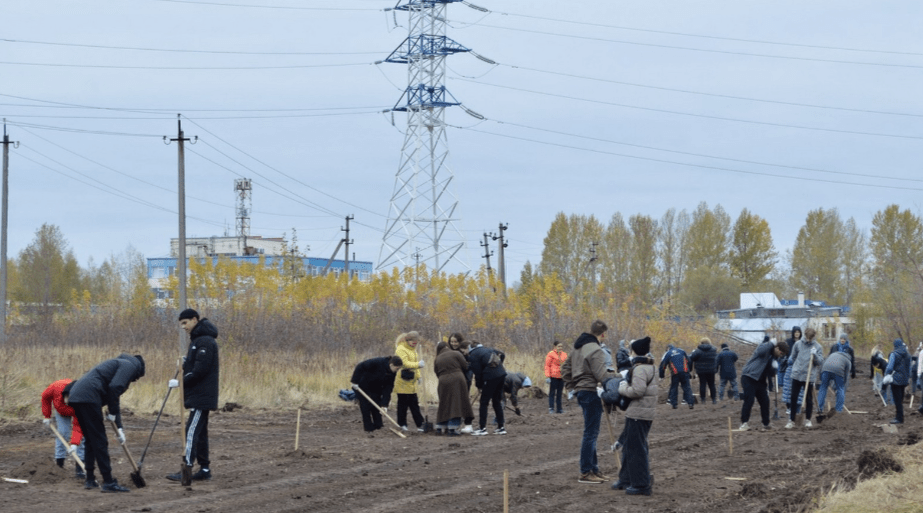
618	459
383	412
185	469
63	441
136	475
151	436
427	425
775	414
808	388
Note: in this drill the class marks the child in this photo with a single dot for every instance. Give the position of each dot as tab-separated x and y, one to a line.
56	396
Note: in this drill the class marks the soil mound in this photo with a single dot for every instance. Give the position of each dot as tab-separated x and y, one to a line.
875	462
754	491
43	470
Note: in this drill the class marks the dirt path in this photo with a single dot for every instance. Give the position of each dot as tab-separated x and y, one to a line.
340	468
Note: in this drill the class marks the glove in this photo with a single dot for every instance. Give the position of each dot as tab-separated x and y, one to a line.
599	391
173	383
623	386
47	422
624	373
570	395
120	435
775	365
422	364
111	417
73	449
547	380
354	386
887	380
775	342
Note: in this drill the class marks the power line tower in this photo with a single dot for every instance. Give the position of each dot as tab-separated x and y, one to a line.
243	187
423	206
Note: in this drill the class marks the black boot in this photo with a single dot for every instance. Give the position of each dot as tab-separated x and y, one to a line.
60	462
79	473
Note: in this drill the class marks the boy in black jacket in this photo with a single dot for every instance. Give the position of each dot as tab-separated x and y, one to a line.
489	376
376	378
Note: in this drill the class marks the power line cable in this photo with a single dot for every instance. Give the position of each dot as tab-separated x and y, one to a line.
184	68
278	7
177	50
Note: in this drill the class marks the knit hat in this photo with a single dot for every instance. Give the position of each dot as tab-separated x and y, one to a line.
188	313
724	346
642	346
898	343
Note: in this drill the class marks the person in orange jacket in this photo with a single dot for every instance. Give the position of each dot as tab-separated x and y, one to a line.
553	361
54	403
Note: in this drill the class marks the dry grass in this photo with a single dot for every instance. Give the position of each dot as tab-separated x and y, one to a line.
895	492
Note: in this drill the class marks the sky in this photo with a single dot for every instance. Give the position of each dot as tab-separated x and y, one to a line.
592	108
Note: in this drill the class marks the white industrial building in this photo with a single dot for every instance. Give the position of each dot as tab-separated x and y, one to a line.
763	313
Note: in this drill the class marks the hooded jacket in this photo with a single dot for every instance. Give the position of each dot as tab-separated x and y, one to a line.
479	358
726	364
375	378
705	359
200	370
675	358
842	346
585	367
53	397
758	367
104	384
800	360
412	363
783	364
899	364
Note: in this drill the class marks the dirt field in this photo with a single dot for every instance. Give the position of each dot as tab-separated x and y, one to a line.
340	468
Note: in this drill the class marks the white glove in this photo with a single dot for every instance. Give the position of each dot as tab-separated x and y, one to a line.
47	422
623	386
173	383
775	365
774	342
120	435
547	380
421	364
111	417
73	449
624	373
354	386
887	380
599	391
570	395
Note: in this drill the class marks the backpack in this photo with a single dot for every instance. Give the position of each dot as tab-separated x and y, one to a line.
494	360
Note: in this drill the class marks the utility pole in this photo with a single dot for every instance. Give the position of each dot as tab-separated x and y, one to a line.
347	241
501	264
592	263
487	253
3	226
181	192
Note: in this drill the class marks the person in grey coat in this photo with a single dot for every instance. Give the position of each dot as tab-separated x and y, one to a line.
835	371
804	352
755	376
103	385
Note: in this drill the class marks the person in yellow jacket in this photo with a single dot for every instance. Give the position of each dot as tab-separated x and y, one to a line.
405	383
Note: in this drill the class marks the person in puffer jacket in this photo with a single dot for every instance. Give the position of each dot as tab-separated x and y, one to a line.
897	374
785	375
641	387
727	372
705	362
405	382
676	360
553	361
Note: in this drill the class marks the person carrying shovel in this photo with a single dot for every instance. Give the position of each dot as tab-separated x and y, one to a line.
897	375
54	403
375	377
754	379
807	356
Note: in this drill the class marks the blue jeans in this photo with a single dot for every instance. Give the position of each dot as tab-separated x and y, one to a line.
732	391
64	427
839	386
592	414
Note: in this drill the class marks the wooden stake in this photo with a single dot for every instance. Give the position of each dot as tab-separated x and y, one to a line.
730	439
506	491
297	428
911	402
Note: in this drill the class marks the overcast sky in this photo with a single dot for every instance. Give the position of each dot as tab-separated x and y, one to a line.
593	108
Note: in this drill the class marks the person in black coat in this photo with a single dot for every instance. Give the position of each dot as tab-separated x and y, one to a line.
200	389
705	361
727	372
375	377
489	376
103	385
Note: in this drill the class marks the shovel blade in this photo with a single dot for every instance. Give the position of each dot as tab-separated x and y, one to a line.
137	479
186	473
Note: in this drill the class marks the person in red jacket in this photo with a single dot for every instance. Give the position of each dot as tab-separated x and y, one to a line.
553	361
53	403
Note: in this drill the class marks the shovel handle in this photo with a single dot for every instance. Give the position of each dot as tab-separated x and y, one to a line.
124	447
63	441
380	409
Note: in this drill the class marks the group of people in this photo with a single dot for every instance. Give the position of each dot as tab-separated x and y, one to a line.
77	406
705	363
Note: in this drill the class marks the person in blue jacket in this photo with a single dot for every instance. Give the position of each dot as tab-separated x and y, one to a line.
727	372
897	375
705	362
676	360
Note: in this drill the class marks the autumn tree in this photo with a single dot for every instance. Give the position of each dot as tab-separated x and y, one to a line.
47	272
897	250
706	242
643	267
566	251
752	255
672	238
816	256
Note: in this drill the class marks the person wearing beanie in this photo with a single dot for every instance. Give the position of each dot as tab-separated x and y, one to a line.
54	402
806	353
705	362
897	375
727	372
103	385
640	385
622	357
677	361
755	378
200	390
583	371
842	346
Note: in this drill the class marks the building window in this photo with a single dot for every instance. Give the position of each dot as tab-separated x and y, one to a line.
829	330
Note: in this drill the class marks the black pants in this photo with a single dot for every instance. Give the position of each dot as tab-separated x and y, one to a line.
680	380
197	438
636	463
96	444
555	391
797	386
492	392
708	379
371	417
898	391
405	402
754	389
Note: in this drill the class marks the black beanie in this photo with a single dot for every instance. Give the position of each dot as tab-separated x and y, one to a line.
724	346
140	361
642	346
188	313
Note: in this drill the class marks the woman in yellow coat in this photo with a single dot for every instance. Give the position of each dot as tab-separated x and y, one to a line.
405	383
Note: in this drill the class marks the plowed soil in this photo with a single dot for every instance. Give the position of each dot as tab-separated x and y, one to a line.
338	467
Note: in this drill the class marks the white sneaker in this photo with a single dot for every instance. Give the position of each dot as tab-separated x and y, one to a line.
744	427
790	425
479	432
403	428
467	429
808	424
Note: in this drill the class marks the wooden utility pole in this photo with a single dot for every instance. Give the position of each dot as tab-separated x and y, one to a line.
3	228
347	241
181	249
